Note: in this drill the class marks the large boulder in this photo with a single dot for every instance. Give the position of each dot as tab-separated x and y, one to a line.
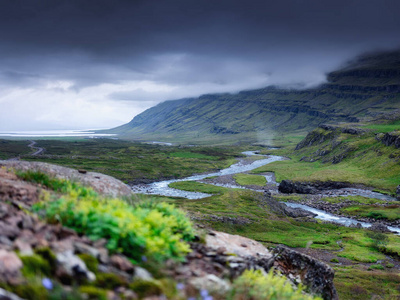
289	187
310	187
298	212
315	275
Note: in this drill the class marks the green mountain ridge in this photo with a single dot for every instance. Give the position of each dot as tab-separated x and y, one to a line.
365	90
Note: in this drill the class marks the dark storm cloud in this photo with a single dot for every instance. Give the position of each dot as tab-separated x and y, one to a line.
185	41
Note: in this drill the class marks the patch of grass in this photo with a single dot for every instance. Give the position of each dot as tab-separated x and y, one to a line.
390	213
193	186
58	185
391	126
135	162
247	179
364	160
192	155
268	227
376	267
12	149
356	282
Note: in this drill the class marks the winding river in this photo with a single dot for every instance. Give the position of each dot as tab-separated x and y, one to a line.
162	188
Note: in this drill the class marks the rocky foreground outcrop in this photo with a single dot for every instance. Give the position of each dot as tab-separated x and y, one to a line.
101	183
316	275
211	266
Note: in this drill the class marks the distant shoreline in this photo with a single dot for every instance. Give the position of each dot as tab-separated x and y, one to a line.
54	133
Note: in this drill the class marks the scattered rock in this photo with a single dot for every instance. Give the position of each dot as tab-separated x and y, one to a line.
358	225
71	265
142	274
84	248
211	283
5	295
23	247
379	227
10	266
121	263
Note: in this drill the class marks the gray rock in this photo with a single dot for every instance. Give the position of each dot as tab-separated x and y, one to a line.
23	247
73	266
83	248
234	244
379	227
142	274
298	212
5	295
10	266
211	283
122	263
398	192
317	276
358	225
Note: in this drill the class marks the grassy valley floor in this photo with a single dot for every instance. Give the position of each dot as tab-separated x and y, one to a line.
363	266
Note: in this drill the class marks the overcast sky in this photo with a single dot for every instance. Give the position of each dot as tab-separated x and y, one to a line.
79	64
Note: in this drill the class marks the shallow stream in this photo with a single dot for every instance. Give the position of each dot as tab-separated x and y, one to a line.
162	188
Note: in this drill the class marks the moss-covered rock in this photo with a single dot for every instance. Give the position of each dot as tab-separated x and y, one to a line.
146	288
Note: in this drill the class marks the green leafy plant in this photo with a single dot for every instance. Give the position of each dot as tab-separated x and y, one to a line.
154	229
255	285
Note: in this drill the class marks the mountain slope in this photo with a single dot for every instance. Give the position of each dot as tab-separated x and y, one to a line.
364	90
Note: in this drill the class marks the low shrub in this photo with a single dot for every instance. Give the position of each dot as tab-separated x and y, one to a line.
157	230
255	285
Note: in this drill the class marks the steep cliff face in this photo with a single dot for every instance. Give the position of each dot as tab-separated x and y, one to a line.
362	90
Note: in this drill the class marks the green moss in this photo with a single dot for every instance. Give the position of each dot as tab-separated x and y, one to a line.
335	260
90	261
109	281
376	267
48	255
94	293
31	290
146	288
35	265
59	293
391	212
389	265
